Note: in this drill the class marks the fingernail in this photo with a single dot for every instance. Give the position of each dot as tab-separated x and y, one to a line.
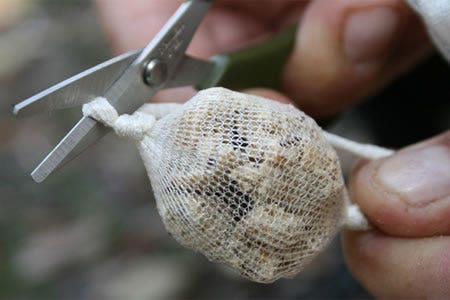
369	33
420	175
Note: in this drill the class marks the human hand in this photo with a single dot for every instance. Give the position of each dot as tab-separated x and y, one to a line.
345	49
330	68
407	199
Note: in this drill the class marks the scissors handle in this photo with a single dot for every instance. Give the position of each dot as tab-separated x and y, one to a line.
260	65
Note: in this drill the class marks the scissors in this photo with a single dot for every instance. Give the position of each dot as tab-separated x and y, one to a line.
131	79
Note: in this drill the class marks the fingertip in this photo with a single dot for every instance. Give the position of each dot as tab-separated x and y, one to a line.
346	49
407	194
132	25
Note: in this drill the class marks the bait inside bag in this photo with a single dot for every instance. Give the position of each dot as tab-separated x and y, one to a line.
246	181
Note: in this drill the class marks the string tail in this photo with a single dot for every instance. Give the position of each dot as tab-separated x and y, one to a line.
354	219
159	110
367	151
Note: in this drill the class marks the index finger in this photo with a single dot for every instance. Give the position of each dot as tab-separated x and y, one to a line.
230	24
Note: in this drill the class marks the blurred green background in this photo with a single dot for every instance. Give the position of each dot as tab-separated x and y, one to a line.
91	231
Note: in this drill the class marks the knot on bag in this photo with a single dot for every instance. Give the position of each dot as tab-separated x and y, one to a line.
133	126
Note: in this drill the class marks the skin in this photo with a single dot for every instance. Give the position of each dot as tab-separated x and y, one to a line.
405	254
318	77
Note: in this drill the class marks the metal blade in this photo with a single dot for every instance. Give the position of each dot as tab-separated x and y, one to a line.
86	132
191	71
79	89
130	91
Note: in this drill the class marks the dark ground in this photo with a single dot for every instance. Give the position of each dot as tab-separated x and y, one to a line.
92	231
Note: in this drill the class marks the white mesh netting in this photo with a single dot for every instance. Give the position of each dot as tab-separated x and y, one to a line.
244	180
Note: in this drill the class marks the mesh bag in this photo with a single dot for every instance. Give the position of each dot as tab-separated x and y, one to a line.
244	180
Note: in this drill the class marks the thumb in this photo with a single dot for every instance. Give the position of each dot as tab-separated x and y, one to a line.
407	194
347	49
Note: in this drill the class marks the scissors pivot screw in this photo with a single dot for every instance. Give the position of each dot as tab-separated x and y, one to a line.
155	72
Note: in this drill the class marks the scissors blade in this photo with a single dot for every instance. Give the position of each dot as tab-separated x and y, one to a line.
130	90
79	89
191	71
85	133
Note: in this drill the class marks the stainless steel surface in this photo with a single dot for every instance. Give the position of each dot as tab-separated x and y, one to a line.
83	134
78	89
168	46
130	91
155	72
192	71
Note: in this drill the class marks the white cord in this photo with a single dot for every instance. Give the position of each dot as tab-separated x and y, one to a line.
361	150
353	218
133	126
159	110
